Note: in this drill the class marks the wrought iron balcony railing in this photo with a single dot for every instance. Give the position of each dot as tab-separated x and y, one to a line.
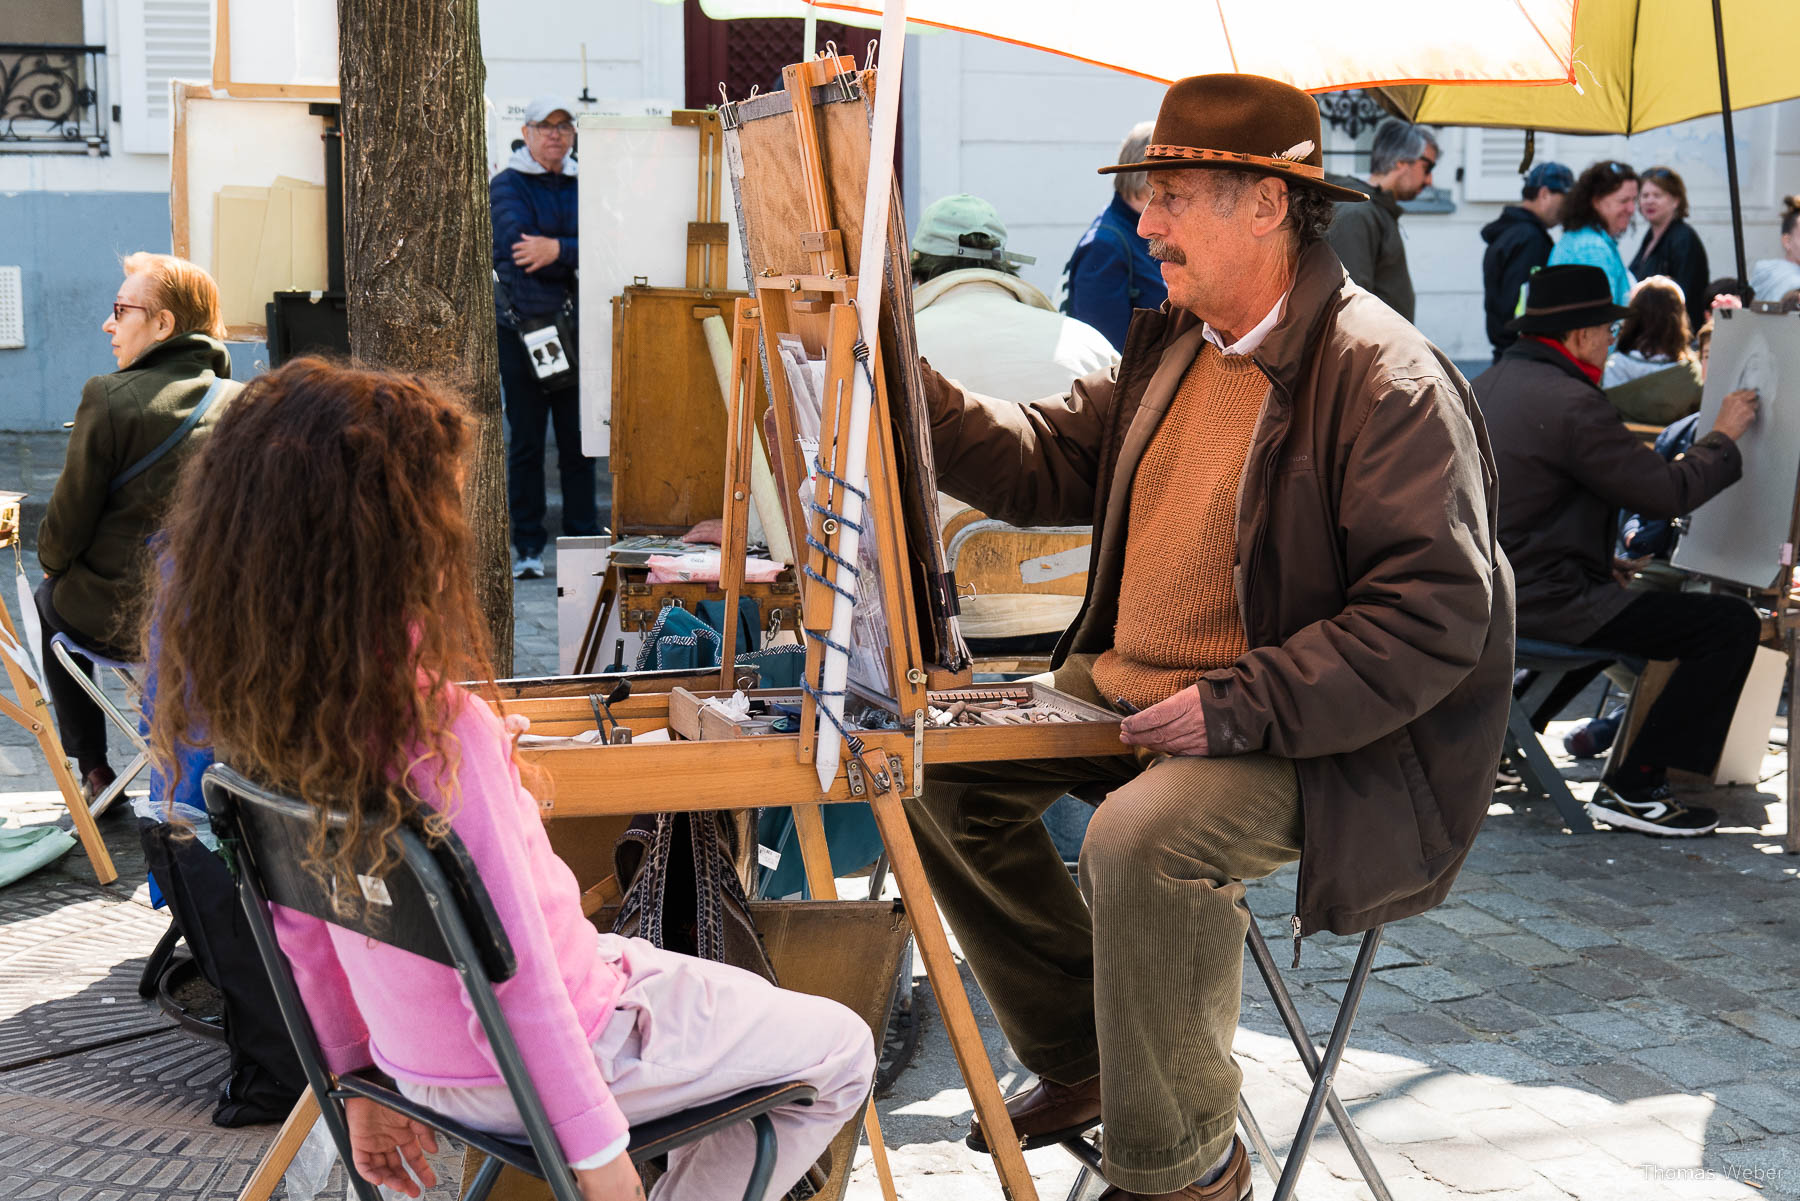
50	98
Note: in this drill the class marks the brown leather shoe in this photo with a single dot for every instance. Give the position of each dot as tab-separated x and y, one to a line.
1047	1113
1233	1184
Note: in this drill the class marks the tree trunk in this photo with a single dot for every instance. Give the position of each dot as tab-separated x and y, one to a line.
417	237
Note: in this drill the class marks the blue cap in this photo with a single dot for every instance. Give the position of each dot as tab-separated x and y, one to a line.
1554	176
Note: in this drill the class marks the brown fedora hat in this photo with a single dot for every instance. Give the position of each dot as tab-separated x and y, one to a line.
1239	123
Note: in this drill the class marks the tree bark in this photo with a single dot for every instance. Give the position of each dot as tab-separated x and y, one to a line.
418	237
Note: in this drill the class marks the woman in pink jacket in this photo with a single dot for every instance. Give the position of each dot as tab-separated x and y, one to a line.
315	614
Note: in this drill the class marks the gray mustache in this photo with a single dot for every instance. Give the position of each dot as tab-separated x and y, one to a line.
1163	252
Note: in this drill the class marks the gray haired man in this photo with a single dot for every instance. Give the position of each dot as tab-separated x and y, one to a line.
1367	236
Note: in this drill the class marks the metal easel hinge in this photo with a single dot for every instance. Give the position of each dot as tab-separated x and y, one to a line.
919	751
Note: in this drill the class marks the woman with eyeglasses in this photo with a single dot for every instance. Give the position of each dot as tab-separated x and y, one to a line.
1596	214
1671	248
132	432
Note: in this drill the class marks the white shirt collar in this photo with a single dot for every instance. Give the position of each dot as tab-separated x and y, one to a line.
1250	341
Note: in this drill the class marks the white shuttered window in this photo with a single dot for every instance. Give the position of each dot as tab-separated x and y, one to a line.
1491	162
159	40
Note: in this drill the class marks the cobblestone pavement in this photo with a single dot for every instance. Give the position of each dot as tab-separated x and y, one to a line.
1602	1017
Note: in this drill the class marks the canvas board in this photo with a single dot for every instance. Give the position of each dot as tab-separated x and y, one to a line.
282	43
638	194
1741	534
227	151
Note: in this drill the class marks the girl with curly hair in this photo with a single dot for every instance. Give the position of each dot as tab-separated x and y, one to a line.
313	615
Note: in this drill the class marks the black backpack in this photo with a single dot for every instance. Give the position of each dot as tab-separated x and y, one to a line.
266	1078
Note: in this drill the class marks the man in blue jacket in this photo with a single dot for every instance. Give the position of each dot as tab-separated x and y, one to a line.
1111	272
536	253
1518	243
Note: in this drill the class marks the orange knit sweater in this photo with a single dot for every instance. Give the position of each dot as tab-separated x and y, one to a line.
1178	607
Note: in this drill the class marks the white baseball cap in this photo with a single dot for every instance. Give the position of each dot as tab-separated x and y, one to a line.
542	106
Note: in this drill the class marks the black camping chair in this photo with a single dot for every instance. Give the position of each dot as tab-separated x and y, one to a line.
1322	1099
435	907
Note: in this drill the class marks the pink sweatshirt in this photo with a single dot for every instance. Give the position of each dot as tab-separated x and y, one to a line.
371	1003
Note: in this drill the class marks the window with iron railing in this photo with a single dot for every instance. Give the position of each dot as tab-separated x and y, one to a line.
50	98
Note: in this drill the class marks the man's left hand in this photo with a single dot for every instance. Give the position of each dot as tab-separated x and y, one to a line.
1176	726
534	253
382	1142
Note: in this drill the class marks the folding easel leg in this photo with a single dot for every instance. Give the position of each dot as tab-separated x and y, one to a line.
1791	843
1088	1156
815	856
1540	771
35	716
1323	1072
281	1152
953	1001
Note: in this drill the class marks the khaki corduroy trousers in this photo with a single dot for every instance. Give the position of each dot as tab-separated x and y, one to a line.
1137	975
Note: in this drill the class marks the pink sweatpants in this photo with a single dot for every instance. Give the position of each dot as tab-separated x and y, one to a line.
687	1031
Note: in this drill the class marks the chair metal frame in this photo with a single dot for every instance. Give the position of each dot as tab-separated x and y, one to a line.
64	648
1321	1100
440	878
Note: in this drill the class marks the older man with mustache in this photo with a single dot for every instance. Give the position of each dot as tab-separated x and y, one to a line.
1295	578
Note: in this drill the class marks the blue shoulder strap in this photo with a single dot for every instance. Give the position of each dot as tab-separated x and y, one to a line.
168	444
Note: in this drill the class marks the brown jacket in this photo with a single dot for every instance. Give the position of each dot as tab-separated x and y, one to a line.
1375	600
1567	466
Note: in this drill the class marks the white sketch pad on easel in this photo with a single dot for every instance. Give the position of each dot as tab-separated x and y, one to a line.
1739	535
283	42
638	184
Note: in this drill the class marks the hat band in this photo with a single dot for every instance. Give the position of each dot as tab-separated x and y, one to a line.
1567	308
1228	156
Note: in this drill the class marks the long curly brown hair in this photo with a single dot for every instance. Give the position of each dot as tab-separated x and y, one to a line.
314	605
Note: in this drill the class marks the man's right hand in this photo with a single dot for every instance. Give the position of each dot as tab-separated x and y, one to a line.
615	1180
1737	414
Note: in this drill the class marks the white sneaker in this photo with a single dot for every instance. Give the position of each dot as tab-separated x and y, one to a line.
528	567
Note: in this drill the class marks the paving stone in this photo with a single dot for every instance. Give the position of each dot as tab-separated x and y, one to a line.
1426	1028
1494	1015
1777	1028
1571	936
1668	943
1633	961
1490	971
1429	983
1495	1059
1548	997
1528	950
1510	905
1624	1081
1676	1022
1470	1165
1565	1048
1399	1121
1686	1065
1466	919
1603	984
1703	991
1603	913
1427	940
1788	999
1774	1164
1614	1029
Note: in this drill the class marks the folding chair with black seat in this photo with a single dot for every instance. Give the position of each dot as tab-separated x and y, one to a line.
65	649
1322	1099
1552	675
435	906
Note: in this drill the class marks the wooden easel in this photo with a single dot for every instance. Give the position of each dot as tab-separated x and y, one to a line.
32	711
696	773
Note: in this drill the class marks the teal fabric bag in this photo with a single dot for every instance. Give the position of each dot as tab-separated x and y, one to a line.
24	849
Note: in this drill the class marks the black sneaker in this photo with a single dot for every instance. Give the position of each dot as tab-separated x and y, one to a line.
1652	810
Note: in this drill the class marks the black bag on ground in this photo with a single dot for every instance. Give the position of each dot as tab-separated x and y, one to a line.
266	1078
681	889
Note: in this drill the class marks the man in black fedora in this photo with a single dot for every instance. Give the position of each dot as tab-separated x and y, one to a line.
1294	578
1567	465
